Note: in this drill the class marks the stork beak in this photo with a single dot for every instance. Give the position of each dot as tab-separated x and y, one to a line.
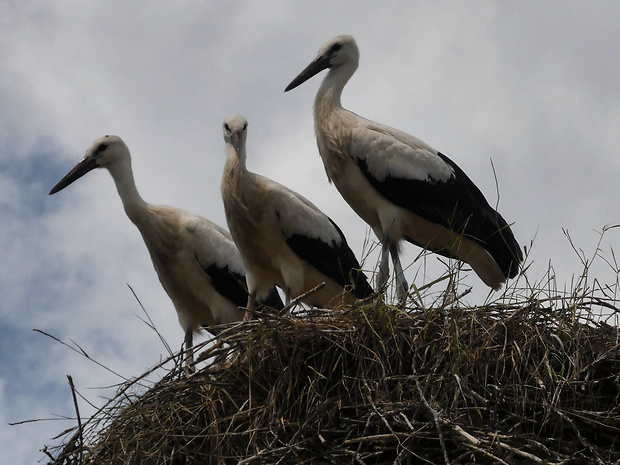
318	64
85	165
236	142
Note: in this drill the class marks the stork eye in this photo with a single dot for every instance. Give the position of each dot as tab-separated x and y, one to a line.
334	49
101	148
226	127
245	126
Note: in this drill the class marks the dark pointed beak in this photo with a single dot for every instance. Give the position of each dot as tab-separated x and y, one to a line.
85	165
319	64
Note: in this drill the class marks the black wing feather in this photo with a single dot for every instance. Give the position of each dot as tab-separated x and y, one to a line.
456	204
228	283
335	261
233	286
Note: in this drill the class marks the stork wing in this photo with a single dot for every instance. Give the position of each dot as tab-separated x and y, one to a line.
392	153
315	238
217	255
415	177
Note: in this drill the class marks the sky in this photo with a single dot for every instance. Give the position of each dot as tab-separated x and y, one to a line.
523	96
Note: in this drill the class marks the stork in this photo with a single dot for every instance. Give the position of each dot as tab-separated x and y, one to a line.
283	238
403	188
196	261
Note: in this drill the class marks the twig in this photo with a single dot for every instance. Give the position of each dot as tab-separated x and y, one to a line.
516	451
79	420
150	322
298	299
376	437
82	352
437	419
262	453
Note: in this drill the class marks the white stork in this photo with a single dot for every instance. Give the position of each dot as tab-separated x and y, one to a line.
196	261
400	186
283	238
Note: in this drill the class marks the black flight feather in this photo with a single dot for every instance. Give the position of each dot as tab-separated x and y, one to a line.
335	261
228	283
456	204
233	286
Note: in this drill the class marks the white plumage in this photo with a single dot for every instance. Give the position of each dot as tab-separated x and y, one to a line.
283	238
196	261
403	188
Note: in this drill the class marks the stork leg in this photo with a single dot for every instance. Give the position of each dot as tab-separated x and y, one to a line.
189	349
384	271
249	311
402	288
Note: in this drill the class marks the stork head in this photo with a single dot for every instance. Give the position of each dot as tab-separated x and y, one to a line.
235	133
103	153
338	52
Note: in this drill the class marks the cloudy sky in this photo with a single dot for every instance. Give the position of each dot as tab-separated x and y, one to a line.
528	89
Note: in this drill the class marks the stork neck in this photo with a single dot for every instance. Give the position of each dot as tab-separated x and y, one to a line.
333	84
122	174
234	170
236	163
329	93
238	190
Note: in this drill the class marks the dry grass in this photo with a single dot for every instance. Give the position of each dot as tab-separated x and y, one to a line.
528	382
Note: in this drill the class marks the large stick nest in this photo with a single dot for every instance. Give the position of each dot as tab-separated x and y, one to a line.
374	384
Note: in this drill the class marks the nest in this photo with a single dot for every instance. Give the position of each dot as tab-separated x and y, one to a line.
373	384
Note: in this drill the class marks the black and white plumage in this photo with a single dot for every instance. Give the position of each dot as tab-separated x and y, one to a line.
196	261
283	238
403	188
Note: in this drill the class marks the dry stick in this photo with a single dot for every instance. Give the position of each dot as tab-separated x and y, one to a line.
475	444
516	451
262	453
437	422
79	419
295	301
82	352
376	437
488	454
583	440
298	299
226	331
356	456
379	414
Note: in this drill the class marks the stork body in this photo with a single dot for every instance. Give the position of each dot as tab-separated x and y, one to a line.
401	187
283	238
196	261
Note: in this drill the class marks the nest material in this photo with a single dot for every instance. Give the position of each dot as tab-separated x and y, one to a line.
374	384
